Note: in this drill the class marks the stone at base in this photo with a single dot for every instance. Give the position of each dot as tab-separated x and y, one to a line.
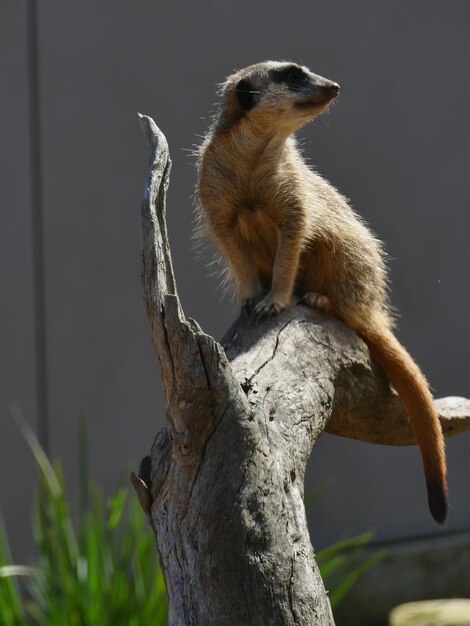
454	612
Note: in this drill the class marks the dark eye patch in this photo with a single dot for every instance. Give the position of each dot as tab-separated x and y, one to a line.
292	75
247	97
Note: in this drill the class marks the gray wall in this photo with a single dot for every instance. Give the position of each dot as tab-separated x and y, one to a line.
397	143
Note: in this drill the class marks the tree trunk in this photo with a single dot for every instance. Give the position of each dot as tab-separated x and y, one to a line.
226	485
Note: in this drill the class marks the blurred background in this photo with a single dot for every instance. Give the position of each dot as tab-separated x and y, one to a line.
73	162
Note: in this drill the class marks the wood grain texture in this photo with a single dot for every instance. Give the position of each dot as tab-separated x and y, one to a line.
225	497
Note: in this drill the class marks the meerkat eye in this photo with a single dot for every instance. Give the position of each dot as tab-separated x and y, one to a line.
292	75
247	96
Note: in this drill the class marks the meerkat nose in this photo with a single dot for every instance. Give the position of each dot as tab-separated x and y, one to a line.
334	87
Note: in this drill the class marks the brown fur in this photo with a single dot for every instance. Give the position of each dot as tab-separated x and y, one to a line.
285	230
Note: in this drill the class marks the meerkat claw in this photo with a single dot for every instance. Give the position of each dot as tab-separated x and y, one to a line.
266	311
248	306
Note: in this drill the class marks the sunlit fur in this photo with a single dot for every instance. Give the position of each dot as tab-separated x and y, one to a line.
288	233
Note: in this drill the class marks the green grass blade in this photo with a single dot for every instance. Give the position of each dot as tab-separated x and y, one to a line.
83	468
18	570
346	544
11	607
38	452
312	498
342	588
116	508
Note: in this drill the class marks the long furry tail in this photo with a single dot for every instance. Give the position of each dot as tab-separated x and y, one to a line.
413	389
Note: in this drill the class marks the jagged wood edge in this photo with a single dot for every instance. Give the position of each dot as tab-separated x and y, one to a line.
190	360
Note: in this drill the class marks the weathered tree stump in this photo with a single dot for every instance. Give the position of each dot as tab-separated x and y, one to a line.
226	485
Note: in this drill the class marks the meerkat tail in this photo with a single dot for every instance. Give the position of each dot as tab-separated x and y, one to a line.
413	389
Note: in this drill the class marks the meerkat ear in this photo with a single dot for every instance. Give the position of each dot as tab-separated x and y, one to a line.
246	94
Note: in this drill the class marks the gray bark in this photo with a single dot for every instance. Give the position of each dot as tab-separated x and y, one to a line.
225	495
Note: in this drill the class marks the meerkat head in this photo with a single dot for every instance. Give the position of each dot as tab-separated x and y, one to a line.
278	95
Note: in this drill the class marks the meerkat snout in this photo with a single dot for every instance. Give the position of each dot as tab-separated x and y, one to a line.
329	89
318	93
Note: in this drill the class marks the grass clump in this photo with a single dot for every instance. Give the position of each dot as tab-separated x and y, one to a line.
97	569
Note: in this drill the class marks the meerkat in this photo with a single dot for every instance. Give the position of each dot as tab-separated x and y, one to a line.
289	235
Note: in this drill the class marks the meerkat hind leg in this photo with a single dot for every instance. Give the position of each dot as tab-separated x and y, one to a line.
317	301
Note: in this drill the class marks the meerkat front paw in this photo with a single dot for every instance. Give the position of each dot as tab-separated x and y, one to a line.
267	311
249	303
268	308
317	301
